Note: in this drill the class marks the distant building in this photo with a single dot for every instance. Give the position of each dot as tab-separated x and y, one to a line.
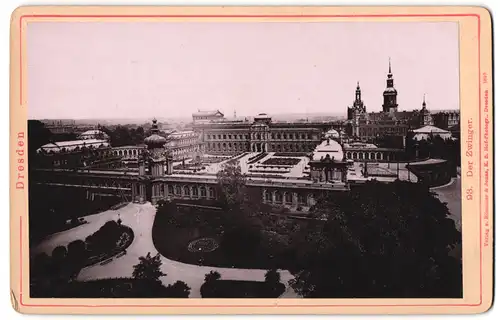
207	116
67	146
389	122
425	117
261	135
184	144
93	134
430	131
90	153
60	126
446	119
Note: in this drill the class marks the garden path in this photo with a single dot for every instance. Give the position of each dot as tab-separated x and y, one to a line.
140	218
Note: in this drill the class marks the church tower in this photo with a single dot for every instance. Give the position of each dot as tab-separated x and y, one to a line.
425	116
355	112
390	94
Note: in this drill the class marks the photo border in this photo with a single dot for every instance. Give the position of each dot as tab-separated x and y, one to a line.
482	145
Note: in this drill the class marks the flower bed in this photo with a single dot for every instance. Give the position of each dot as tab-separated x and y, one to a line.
203	245
282	161
239	156
257	157
290	154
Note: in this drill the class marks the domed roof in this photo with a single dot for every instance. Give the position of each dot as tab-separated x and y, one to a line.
332	134
331	148
262	116
155	140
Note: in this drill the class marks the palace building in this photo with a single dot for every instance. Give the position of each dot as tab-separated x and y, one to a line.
389	122
261	135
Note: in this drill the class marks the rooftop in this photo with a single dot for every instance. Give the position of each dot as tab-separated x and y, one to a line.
73	144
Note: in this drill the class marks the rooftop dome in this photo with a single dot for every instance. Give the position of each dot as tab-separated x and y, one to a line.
262	116
155	140
331	148
332	134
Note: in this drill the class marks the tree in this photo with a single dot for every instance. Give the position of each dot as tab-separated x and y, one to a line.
382	241
273	277
149	268
59	254
77	256
212	276
178	290
231	185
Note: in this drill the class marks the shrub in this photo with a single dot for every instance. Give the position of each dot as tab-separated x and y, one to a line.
212	276
178	290
273	277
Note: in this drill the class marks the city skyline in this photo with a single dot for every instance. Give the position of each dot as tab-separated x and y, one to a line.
120	70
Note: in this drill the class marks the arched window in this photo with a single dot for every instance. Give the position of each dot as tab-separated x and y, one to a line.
203	192
170	189
195	192
211	193
278	196
186	191
288	197
267	196
177	190
301	199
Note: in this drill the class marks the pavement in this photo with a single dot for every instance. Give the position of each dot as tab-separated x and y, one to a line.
140	218
452	195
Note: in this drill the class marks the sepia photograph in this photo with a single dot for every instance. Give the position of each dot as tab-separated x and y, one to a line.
314	159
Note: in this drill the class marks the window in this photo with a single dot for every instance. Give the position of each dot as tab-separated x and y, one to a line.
288	197
195	192
211	193
203	192
186	191
279	197
267	196
177	190
301	198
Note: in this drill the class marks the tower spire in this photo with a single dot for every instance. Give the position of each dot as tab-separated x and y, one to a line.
390	65
423	103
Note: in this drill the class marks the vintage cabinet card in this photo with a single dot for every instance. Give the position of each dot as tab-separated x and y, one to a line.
263	160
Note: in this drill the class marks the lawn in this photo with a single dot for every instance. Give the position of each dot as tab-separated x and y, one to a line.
174	229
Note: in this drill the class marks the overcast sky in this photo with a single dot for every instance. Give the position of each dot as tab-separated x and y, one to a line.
132	69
